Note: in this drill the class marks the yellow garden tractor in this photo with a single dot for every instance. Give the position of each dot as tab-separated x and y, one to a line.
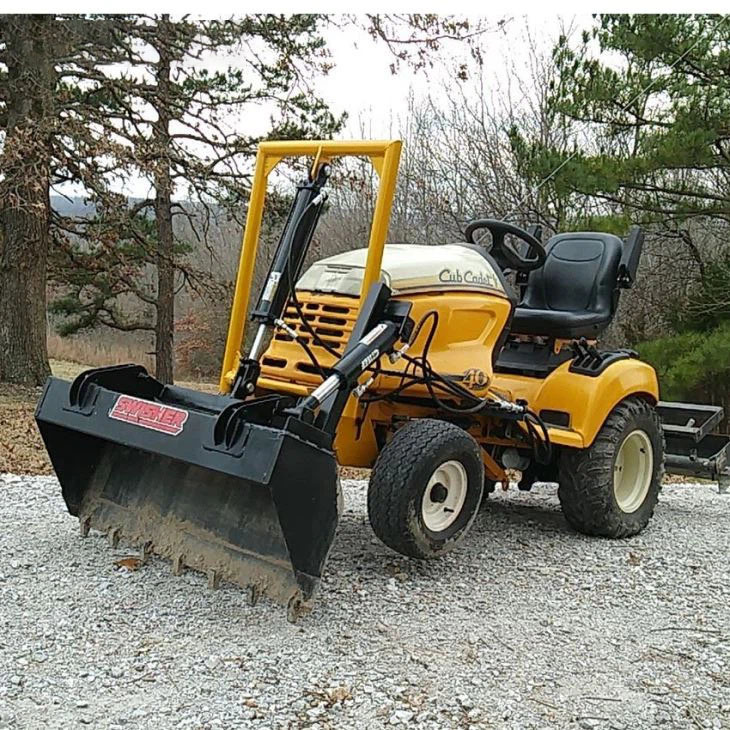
423	362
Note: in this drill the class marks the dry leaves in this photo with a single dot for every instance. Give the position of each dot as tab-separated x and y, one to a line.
338	694
21	447
331	696
129	563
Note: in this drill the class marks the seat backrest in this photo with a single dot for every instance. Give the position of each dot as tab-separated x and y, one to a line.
579	275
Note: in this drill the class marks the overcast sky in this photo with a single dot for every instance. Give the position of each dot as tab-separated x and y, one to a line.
362	83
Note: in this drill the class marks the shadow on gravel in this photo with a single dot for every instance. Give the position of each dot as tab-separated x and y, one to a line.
541	518
356	546
696	510
355	536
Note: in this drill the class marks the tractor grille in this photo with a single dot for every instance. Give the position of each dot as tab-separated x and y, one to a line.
332	317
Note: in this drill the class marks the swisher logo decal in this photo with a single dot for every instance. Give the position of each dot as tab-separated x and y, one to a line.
149	415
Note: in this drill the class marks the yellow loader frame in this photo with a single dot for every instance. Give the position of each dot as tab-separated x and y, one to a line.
384	156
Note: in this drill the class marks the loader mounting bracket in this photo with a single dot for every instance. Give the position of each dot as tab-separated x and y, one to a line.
123	378
246	378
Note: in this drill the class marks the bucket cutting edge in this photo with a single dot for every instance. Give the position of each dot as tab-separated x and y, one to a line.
236	490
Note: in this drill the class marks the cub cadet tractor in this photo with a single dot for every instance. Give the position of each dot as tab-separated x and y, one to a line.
420	361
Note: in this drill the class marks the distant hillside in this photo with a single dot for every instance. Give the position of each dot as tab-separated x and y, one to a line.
72	206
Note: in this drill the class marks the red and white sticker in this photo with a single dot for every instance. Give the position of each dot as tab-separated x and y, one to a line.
156	416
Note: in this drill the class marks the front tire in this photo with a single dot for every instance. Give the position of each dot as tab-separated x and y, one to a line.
425	488
612	487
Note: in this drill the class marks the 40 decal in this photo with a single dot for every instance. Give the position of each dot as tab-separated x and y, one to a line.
475	379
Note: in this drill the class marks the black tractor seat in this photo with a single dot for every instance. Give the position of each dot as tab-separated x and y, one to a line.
575	293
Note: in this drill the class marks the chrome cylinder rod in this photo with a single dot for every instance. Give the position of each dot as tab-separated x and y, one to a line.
258	342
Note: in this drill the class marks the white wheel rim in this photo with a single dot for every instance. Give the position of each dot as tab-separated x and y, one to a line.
445	495
632	471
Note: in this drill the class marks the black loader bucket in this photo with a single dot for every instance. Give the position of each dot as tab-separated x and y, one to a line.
239	490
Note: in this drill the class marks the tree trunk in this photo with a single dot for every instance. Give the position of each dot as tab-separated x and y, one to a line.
24	199
165	324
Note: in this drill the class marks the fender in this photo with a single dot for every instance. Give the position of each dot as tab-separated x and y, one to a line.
589	400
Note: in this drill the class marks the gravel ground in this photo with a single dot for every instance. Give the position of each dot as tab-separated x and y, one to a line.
527	625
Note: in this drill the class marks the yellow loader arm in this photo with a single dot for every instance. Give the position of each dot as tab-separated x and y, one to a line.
384	156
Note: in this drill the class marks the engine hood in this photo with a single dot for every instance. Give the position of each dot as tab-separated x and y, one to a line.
407	267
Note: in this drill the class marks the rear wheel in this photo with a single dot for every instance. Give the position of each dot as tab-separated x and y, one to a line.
425	488
612	487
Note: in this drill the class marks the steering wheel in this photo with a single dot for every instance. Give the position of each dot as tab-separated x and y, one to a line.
502	252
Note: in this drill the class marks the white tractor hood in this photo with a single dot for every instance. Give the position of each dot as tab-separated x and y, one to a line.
407	267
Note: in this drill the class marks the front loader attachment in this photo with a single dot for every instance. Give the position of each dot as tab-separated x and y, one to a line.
239	490
244	490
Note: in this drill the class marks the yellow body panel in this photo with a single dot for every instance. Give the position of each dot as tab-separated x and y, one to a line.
587	399
470	327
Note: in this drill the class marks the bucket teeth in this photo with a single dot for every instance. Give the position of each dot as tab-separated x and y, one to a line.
178	565
214	579
113	536
254	593
296	608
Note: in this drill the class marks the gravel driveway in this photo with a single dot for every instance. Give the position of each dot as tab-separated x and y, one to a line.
527	625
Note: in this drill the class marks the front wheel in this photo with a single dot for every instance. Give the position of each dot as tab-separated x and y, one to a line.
425	488
612	487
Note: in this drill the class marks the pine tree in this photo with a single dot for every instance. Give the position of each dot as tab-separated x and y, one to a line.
659	92
49	70
27	116
648	97
168	113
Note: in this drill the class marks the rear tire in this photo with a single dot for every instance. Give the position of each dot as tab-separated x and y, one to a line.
425	488
612	487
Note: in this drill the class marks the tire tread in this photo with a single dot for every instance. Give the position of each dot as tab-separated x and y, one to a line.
586	477
389	508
